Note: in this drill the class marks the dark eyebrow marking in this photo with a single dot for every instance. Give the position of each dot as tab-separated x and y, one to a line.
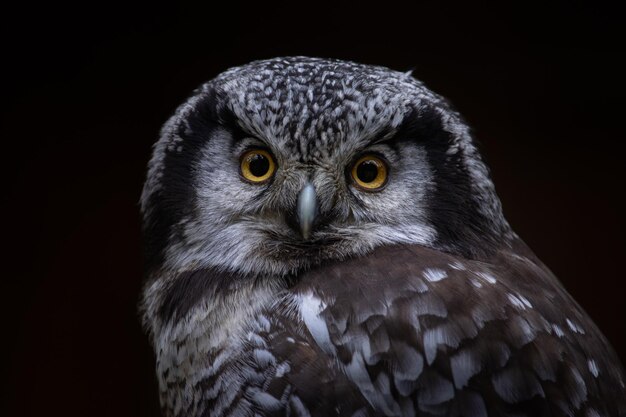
237	132
417	125
227	119
213	109
383	135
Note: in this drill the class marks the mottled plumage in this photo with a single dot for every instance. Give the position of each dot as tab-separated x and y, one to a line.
416	299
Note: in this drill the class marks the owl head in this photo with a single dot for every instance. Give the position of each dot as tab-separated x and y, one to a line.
281	164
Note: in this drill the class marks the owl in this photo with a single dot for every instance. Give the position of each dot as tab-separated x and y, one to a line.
323	239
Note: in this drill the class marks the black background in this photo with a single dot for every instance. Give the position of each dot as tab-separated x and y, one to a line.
86	89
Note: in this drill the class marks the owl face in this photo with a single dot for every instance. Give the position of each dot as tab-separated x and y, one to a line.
282	164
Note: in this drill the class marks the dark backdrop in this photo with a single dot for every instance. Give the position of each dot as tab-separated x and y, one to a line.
86	89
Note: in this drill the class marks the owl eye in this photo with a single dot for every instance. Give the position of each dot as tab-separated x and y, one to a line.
369	173
257	166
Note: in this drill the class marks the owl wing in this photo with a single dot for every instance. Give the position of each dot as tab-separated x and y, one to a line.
410	331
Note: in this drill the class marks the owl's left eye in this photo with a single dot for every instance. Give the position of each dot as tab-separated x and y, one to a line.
257	166
369	173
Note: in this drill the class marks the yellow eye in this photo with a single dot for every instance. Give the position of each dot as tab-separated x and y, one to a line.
257	166
369	173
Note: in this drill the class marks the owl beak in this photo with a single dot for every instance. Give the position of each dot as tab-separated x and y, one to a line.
307	209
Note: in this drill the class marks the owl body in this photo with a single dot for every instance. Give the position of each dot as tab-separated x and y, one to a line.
323	239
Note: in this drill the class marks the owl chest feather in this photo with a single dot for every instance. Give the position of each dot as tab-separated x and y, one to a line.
201	349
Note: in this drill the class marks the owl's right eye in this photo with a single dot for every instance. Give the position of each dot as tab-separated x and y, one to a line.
369	173
257	166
